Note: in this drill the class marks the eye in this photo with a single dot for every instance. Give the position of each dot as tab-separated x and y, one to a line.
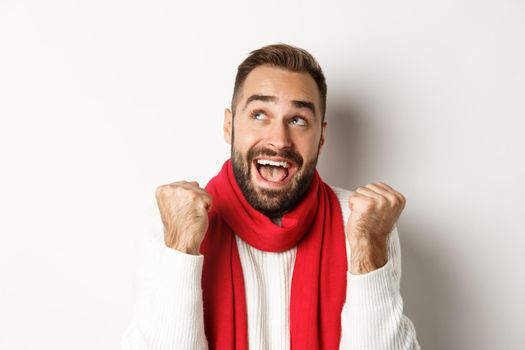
298	120
258	115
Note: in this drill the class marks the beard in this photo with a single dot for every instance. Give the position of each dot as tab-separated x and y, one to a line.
272	202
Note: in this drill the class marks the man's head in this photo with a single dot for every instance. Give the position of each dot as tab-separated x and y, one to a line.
276	126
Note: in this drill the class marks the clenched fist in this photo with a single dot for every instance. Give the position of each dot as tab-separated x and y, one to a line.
184	208
375	209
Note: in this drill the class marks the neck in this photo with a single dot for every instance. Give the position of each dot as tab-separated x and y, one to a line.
276	220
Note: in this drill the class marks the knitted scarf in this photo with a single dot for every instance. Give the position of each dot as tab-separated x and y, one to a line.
318	287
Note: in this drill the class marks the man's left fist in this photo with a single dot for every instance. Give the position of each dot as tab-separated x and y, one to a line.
375	209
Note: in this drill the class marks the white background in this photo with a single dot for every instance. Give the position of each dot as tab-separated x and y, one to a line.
101	101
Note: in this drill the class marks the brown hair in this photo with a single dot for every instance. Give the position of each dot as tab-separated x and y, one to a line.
284	56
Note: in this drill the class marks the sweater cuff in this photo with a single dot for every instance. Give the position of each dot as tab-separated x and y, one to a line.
176	269
370	289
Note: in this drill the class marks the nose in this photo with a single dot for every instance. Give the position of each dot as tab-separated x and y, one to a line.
279	135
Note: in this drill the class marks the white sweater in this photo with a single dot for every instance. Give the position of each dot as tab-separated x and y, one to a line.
168	311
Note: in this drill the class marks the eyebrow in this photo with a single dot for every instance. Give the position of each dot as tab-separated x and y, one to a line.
296	103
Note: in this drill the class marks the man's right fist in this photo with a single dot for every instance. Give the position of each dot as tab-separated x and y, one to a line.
184	208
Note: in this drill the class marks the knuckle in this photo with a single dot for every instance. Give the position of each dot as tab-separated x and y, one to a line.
159	191
368	202
400	198
192	195
180	193
177	190
382	201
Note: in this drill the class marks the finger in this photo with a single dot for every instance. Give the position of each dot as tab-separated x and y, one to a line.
201	208
190	184
384	185
398	195
358	193
204	208
384	192
207	199
353	195
387	187
369	193
201	191
181	182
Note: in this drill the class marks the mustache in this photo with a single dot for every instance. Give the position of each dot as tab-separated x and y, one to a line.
288	154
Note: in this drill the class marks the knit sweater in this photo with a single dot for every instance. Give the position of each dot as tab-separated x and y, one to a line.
168	312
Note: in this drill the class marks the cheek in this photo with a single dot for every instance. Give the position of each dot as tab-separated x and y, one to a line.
308	147
244	144
245	139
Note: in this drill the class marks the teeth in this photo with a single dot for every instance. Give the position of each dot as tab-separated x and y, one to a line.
271	162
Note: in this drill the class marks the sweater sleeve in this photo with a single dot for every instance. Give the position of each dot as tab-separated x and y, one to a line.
372	316
168	309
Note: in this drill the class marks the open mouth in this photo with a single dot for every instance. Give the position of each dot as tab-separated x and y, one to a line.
273	171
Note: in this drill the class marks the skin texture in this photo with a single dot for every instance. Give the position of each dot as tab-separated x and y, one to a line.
276	125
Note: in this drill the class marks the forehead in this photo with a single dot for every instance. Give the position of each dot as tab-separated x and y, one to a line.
281	83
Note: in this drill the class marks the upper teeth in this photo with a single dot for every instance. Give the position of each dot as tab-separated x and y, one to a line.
271	162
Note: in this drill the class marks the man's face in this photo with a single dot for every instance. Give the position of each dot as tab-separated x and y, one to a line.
276	135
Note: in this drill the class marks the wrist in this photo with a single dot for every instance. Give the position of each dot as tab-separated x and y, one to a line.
367	254
184	246
185	249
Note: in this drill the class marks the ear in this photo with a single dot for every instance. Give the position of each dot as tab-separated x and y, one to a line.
322	141
228	120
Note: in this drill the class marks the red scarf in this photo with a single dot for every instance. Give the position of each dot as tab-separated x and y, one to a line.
318	288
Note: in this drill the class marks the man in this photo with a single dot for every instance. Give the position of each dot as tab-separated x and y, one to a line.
268	256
